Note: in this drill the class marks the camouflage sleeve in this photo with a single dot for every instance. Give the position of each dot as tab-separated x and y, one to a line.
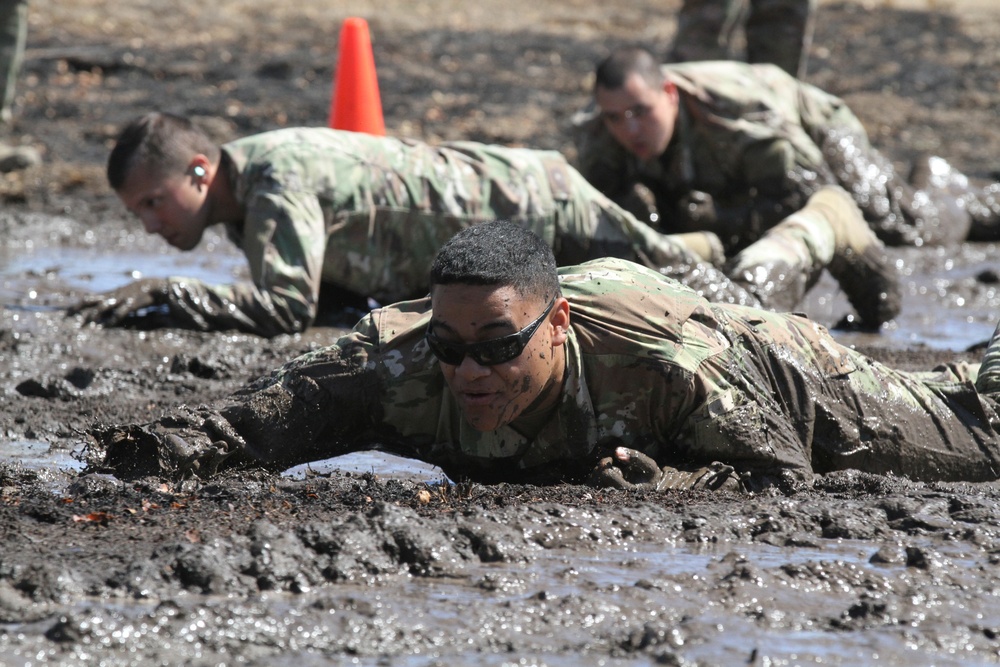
284	239
322	404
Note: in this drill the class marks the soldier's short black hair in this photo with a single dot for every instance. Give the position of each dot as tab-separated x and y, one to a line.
498	253
162	141
612	72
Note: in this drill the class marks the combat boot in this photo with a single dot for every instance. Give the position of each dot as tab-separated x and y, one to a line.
860	263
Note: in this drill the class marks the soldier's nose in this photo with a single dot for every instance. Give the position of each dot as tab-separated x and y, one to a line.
152	224
631	125
470	369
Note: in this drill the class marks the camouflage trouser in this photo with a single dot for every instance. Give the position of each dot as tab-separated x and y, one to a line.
781	266
777	270
776	31
13	34
825	407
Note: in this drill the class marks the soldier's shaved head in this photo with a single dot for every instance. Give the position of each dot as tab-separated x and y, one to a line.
498	253
612	72
159	141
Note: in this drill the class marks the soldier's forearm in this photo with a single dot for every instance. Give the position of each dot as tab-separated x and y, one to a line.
202	307
319	405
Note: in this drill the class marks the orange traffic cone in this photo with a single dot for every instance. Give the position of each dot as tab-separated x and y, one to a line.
356	103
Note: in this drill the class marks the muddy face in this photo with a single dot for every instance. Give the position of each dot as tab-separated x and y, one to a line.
494	395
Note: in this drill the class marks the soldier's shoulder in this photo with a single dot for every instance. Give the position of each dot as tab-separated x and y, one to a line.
309	139
725	77
609	279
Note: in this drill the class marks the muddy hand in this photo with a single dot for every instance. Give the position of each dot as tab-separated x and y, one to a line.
631	469
714	477
186	442
626	469
111	308
196	458
202	450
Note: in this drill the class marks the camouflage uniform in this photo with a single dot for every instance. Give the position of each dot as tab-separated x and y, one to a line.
777	31
651	366
337	214
751	144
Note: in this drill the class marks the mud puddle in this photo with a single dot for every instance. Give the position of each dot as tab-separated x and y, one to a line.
34	276
386	466
556	605
951	299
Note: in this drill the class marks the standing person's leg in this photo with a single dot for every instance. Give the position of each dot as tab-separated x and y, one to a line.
13	37
705	30
780	32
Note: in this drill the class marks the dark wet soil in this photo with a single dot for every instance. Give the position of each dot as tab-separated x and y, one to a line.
376	569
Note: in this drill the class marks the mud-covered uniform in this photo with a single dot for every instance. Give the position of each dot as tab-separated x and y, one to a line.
650	365
751	143
777	31
353	215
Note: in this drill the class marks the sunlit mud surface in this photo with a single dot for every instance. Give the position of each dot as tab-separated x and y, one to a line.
374	560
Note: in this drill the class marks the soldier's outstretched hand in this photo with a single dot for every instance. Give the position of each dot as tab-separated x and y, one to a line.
629	468
114	307
186	443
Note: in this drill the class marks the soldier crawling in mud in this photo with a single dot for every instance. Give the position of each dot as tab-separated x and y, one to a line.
734	148
329	218
514	370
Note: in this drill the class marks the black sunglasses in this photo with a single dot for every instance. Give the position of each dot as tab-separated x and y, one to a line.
488	352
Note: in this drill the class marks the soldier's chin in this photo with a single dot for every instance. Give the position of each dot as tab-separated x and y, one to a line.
485	421
643	152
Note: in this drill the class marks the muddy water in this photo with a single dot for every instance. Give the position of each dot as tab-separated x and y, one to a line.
35	274
586	585
951	299
861	571
532	606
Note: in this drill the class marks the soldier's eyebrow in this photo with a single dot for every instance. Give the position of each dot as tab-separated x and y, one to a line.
503	323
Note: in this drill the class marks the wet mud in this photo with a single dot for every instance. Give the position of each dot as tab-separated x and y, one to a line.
372	560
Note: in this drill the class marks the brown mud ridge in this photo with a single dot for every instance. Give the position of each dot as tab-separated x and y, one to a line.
374	569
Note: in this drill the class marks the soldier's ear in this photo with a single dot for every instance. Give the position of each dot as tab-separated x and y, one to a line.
199	168
670	88
559	320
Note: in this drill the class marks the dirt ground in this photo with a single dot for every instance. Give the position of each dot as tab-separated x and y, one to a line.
378	568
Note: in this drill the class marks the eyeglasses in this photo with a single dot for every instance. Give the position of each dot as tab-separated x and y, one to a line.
488	352
637	112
